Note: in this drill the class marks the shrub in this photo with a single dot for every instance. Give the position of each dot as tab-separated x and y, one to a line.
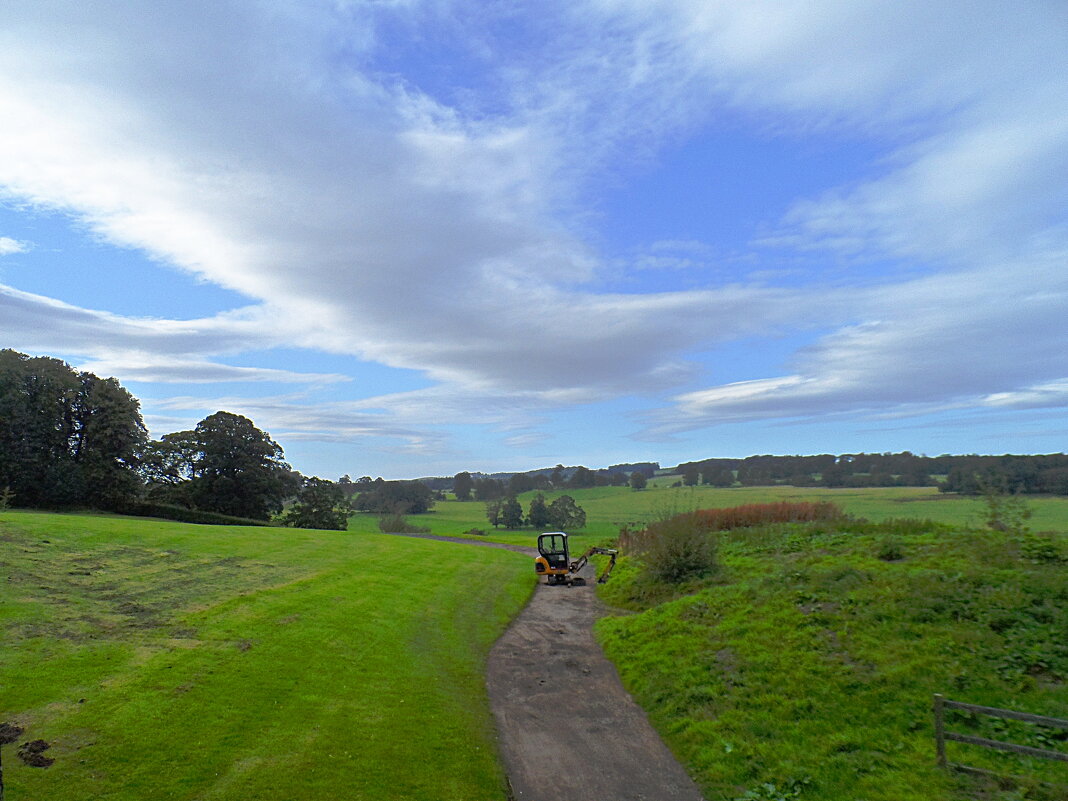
890	549
678	549
475	532
397	523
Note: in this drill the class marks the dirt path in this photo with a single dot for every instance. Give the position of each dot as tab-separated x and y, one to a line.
567	728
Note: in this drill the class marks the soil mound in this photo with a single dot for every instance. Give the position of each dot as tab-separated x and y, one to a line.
32	753
9	732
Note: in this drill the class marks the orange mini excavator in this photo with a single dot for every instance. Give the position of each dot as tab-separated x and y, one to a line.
554	560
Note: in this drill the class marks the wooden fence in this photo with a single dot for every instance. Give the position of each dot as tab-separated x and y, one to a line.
941	735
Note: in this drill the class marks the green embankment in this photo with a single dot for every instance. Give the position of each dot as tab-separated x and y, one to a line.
171	661
805	668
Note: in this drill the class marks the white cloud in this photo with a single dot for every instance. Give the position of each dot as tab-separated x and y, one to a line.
153	368
955	340
9	246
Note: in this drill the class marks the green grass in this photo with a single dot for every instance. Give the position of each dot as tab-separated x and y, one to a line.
171	661
609	507
808	663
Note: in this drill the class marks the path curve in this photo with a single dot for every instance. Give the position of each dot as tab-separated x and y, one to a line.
566	727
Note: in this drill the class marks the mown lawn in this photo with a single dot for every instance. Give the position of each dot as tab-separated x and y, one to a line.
805	667
170	661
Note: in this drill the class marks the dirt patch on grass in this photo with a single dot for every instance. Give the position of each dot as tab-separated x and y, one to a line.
32	753
107	592
9	732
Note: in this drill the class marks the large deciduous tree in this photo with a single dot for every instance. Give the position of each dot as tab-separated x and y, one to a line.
66	438
396	497
320	504
512	513
538	515
462	486
239	469
110	439
493	511
565	514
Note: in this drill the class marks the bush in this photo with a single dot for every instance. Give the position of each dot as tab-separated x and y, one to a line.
678	549
890	549
398	524
184	515
475	532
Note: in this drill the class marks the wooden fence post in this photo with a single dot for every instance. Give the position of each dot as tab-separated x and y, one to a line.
940	730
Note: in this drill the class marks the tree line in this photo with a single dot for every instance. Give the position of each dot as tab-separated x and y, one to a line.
963	474
467	487
560	514
73	439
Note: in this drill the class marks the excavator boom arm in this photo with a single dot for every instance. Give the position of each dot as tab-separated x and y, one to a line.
580	563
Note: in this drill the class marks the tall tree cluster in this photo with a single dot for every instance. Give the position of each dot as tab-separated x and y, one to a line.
67	438
562	513
395	497
224	465
73	439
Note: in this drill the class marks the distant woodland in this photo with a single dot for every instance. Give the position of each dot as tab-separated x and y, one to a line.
968	475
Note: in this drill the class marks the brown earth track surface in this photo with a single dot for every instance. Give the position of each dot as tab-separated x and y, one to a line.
566	727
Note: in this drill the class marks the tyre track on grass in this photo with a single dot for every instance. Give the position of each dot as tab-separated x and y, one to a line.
566	727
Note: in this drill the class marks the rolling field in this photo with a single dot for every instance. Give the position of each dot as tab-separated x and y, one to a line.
609	507
170	661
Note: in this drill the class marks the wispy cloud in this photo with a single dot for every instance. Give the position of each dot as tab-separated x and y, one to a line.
9	246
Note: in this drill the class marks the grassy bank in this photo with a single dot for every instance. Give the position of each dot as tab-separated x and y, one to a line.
805	668
170	661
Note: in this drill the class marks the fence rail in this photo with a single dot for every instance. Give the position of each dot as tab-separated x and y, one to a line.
941	735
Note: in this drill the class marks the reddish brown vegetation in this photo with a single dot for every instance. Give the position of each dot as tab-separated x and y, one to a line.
747	516
759	514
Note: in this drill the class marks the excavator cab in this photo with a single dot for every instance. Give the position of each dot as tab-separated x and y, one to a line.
554	560
552	546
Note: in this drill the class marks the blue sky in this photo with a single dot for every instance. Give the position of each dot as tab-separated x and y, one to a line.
410	238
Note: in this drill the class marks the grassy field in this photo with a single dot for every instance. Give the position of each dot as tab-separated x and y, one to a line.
171	661
805	667
609	507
